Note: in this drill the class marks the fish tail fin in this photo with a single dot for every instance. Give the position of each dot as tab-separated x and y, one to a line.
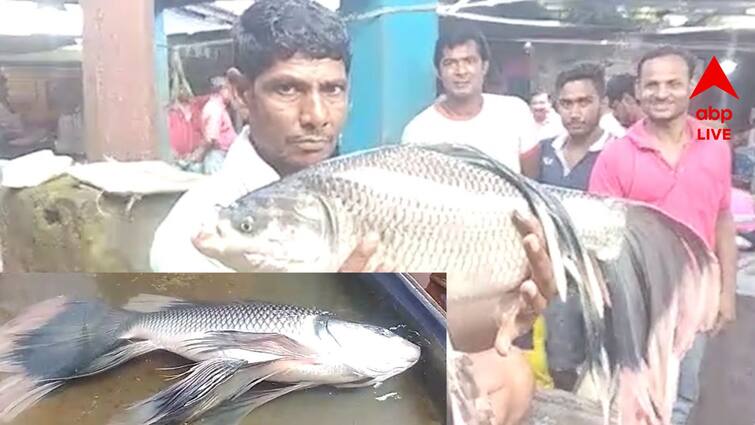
50	343
658	258
208	385
19	392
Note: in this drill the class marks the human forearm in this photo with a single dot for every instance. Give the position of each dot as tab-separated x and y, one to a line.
726	251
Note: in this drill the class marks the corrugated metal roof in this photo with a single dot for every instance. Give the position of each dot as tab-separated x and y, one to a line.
27	17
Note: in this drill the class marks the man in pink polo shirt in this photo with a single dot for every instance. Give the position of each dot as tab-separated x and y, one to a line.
217	126
660	162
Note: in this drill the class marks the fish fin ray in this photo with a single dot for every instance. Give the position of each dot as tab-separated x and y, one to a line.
210	384
20	392
232	412
262	343
117	357
182	399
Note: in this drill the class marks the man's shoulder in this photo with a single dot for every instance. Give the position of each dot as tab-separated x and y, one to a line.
617	145
425	121
429	113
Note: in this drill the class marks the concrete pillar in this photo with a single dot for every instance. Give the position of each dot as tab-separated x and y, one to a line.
392	74
120	99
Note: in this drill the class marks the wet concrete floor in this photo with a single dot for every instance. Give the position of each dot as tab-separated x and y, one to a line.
727	378
404	399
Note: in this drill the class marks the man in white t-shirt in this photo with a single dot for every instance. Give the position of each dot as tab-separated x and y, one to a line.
547	121
501	126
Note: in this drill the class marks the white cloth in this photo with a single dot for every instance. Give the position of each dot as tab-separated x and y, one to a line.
243	171
553	126
609	123
503	129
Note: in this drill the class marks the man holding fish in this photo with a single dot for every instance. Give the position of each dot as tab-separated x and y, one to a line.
291	74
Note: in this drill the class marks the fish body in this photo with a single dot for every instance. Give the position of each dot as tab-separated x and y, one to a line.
235	346
180	329
433	211
450	207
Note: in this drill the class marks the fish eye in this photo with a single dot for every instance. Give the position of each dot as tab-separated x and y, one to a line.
246	225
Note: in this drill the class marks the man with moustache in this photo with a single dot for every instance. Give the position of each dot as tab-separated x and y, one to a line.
500	126
567	160
291	75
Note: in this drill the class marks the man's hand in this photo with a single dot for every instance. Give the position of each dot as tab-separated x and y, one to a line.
535	292
727	312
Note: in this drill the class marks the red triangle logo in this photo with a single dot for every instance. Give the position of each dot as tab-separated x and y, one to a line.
714	76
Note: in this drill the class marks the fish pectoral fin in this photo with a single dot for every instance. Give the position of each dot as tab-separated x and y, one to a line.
262	343
232	412
150	303
192	395
367	382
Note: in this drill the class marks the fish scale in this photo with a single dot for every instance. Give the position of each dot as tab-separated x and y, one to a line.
249	317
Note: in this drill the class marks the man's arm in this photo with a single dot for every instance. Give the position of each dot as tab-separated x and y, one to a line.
530	161
726	251
726	246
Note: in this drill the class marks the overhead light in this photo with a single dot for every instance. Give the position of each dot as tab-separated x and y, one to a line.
728	66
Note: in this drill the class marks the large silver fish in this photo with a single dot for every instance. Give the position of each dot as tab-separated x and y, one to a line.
236	346
450	207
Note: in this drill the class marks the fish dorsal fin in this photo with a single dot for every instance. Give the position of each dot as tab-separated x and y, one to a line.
150	303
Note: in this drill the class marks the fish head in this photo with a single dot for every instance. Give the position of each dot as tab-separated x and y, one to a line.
375	354
278	229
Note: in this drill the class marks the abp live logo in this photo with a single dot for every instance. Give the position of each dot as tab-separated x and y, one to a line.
714	75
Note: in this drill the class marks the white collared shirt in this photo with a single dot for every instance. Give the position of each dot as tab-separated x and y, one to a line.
243	171
559	145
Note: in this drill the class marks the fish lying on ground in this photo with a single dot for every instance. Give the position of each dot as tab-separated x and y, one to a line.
236	346
448	207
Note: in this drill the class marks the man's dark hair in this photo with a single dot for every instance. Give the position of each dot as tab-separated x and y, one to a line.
457	35
618	86
583	71
538	92
275	30
668	51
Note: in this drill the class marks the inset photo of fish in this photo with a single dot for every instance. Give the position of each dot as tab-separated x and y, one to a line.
230	349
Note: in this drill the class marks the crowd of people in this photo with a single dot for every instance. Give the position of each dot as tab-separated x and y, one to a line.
630	137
